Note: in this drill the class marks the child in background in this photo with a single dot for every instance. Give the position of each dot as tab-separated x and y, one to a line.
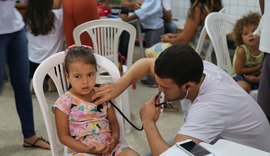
247	61
45	33
81	125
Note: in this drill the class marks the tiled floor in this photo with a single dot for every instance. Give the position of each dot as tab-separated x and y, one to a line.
10	131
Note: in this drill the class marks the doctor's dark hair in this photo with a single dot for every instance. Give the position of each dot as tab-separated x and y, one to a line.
79	54
180	63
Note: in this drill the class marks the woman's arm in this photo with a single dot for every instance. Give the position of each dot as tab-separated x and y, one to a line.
62	127
114	127
190	29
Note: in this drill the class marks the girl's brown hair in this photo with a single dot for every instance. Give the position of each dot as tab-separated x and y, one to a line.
253	18
79	53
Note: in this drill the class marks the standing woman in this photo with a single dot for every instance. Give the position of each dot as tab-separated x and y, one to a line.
77	12
13	51
44	31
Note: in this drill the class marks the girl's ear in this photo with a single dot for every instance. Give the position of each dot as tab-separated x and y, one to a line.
66	74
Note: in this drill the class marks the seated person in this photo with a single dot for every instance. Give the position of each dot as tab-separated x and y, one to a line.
194	23
151	18
81	125
247	61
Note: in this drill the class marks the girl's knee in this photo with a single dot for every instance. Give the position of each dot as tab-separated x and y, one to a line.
128	151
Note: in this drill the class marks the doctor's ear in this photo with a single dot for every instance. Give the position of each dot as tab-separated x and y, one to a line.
189	85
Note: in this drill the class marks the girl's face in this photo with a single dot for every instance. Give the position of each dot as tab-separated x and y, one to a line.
82	78
247	35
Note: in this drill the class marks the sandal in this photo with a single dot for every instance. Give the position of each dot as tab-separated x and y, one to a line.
170	107
34	144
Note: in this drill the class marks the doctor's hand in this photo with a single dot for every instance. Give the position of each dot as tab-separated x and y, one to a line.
149	112
105	92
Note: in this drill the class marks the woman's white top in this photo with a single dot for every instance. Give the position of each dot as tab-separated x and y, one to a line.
10	19
42	46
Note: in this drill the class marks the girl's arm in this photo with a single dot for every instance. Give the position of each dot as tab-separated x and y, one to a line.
114	127
240	63
189	31
65	138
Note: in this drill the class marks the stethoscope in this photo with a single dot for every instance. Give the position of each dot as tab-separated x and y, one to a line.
158	96
99	107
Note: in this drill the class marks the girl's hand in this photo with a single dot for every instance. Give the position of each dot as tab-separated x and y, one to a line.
100	150
113	141
251	78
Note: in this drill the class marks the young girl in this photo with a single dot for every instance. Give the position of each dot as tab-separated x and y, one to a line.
81	125
44	32
247	61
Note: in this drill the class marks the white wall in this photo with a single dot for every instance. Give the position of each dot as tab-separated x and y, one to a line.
234	8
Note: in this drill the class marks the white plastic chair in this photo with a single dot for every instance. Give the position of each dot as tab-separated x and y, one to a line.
53	66
105	35
218	25
201	42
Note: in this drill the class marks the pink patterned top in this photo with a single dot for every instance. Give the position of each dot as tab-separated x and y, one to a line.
87	124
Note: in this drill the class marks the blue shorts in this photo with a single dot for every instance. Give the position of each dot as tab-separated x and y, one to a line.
253	86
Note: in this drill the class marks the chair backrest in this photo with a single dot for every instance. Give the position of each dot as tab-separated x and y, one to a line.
218	25
53	66
201	42
105	35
